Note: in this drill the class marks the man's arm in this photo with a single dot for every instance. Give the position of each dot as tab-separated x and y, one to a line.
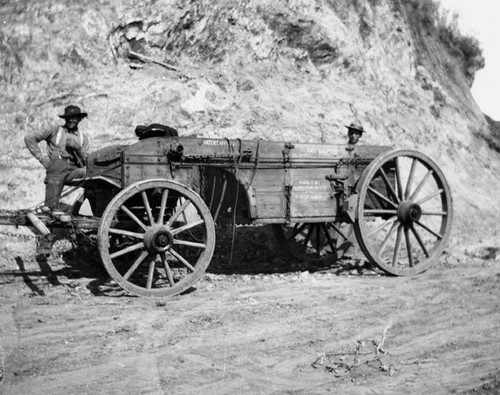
32	140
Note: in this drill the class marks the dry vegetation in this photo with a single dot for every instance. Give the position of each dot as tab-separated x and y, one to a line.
431	19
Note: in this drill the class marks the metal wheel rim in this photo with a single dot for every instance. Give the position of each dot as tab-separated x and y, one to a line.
145	254
404	221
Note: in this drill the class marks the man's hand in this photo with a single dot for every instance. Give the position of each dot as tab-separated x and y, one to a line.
45	160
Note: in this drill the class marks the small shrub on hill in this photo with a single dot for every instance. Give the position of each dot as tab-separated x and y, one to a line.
463	46
428	15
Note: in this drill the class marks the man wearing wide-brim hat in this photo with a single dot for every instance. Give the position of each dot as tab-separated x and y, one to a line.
66	156
354	132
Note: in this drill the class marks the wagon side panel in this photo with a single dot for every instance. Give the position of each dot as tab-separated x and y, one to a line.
311	194
266	175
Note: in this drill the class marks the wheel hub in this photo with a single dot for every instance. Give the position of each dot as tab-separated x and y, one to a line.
409	212
158	238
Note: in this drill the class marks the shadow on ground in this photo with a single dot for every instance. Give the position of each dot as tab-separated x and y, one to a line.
252	250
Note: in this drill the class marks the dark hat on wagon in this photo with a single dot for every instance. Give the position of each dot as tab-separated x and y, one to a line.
73	111
356	126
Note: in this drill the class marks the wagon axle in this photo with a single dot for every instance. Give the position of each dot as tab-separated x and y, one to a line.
158	238
409	212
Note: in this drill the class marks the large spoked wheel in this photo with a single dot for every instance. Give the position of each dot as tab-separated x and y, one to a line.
156	238
317	244
404	212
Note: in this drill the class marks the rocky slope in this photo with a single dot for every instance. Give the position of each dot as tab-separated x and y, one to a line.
282	70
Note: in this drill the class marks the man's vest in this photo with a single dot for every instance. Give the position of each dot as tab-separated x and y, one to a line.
61	138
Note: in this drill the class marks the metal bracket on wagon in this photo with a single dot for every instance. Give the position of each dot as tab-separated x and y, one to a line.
350	205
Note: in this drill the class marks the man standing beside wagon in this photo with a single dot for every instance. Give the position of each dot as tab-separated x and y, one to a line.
66	156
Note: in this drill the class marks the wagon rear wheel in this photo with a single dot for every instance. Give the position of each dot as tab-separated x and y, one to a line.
318	243
404	212
156	238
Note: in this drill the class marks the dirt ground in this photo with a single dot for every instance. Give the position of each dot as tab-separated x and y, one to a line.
257	326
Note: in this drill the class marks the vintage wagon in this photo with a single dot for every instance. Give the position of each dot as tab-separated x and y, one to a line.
153	205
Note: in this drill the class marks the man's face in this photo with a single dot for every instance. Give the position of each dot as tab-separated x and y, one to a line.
354	136
72	122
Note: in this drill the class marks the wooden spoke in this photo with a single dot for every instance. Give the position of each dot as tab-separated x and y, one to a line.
178	212
328	237
318	241
184	217
186	227
420	185
419	240
388	184
132	215
397	246
189	243
297	229
151	273
408	247
147	206
387	238
309	234
429	230
384	225
136	264
434	213
410	178
427	198
127	250
377	193
399	181
168	271
181	259
126	233
339	231
163	207
380	212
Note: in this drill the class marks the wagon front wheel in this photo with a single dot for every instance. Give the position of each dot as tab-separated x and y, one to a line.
404	212
156	238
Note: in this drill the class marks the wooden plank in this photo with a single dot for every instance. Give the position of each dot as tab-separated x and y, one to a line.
312	194
268	188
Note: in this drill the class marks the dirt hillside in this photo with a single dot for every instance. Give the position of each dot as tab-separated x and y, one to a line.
262	69
294	70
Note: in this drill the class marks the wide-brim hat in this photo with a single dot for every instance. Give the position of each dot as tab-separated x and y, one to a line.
356	126
73	111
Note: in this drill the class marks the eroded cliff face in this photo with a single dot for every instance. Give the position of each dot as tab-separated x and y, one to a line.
280	70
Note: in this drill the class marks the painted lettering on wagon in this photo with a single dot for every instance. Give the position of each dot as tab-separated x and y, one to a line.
310	196
215	142
320	152
309	186
310	190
